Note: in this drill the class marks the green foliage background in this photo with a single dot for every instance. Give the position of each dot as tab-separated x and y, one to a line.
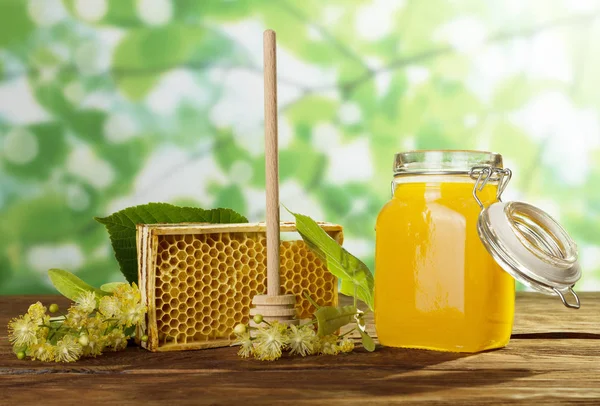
109	103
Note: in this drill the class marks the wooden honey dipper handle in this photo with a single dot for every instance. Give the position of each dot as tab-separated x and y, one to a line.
271	162
273	305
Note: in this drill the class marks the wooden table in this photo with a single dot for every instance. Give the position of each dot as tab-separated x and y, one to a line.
553	357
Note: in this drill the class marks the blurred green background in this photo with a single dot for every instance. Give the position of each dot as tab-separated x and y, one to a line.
106	104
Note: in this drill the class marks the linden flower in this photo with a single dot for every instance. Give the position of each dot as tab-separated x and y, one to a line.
301	340
67	349
95	333
22	331
128	293
94	346
44	352
37	313
329	345
346	345
131	314
270	341
116	340
86	302
246	346
76	317
42	333
110	307
96	325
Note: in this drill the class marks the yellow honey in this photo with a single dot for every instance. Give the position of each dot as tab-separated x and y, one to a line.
436	286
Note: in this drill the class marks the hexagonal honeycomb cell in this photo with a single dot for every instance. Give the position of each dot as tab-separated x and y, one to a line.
199	280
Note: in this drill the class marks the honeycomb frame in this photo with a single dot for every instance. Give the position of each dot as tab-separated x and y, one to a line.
198	279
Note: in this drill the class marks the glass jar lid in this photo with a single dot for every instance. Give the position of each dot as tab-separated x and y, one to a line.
526	241
440	162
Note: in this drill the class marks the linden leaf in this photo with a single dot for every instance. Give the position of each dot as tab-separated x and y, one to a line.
349	288
70	286
129	331
356	278
367	341
330	319
111	286
121	227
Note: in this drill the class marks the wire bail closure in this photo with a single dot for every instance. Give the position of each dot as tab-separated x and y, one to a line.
562	298
484	174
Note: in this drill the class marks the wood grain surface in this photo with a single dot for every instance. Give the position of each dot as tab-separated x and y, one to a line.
553	357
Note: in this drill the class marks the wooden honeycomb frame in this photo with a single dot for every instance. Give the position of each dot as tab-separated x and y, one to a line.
198	280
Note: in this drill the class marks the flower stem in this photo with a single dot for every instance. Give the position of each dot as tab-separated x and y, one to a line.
312	302
347	332
308	323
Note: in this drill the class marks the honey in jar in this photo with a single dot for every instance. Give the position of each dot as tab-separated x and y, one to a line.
437	286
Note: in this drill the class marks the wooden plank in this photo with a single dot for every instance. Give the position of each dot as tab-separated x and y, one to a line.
538	313
274	387
539	316
388	376
554	357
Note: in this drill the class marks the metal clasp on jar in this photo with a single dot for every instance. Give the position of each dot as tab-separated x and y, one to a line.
484	174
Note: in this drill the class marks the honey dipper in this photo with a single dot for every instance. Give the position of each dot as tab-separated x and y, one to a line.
272	306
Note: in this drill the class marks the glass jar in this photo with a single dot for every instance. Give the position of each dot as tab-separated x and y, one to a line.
438	284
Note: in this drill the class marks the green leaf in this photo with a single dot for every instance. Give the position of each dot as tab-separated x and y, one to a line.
356	278
51	146
227	151
44	56
293	33
129	331
312	110
15	25
217	10
111	286
391	100
121	227
301	162
70	286
137	87
367	341
44	219
119	13
155	49
127	159
348	288
330	319
51	97
145	53
122	13
232	196
88	124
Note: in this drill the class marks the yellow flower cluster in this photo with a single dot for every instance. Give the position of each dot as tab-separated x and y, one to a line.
92	325
269	340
